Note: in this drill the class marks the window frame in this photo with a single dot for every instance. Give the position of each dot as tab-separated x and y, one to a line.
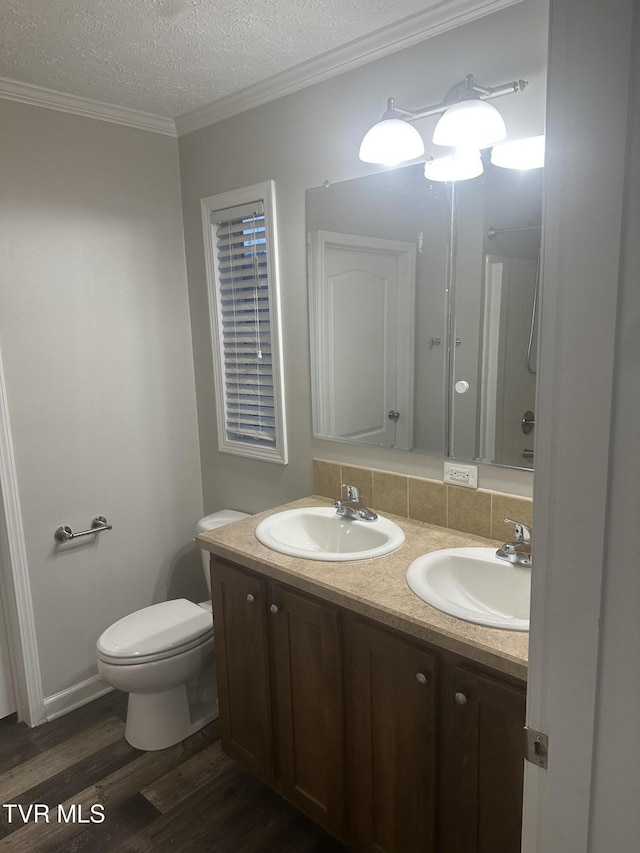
262	192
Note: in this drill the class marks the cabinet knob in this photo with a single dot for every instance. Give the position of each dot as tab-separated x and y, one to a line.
250	598
461	699
274	608
421	678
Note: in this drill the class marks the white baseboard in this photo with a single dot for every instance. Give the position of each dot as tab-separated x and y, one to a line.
75	696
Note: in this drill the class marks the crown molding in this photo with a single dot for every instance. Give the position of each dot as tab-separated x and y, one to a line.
38	96
437	19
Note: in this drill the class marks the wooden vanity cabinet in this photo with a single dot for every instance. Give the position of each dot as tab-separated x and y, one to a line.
407	749
242	660
483	762
281	690
435	749
308	701
391	724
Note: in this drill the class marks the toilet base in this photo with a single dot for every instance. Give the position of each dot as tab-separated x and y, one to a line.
159	720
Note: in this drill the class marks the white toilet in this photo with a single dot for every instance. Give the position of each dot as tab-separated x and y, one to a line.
163	657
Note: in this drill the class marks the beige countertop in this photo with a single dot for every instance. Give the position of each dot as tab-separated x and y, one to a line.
377	588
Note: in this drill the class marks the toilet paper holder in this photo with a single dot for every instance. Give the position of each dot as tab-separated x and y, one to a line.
64	533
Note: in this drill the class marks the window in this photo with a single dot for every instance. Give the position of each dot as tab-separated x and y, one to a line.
242	275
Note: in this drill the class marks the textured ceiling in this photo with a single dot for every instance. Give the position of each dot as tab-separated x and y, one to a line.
168	57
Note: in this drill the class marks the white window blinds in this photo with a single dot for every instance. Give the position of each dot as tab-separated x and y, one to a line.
244	295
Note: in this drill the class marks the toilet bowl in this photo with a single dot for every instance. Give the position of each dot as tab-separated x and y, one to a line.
163	657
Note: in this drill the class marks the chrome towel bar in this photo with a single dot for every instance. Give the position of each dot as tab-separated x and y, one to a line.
64	532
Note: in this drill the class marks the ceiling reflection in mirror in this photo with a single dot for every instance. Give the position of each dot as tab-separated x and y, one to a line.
422	309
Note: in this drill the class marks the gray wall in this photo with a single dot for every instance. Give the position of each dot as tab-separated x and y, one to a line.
95	338
300	141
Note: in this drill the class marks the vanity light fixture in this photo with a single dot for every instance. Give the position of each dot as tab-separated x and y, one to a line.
466	163
472	123
391	141
466	121
519	154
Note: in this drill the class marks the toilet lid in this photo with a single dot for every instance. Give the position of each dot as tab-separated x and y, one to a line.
161	630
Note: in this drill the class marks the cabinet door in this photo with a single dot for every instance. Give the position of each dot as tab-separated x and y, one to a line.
391	733
242	661
484	763
309	705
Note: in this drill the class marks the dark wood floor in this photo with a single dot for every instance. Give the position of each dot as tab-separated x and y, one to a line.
189	797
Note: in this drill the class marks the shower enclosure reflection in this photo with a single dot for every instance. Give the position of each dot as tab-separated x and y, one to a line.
417	289
497	227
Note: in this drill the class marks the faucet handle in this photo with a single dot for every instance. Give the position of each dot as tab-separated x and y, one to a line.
353	492
522	533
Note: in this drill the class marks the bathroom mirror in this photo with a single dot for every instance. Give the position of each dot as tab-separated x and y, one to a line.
422	301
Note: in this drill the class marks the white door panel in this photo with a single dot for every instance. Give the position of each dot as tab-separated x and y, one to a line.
362	288
364	339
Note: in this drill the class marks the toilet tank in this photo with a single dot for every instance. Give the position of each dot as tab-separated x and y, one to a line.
210	522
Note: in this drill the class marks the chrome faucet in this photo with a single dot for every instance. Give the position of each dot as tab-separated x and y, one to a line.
353	507
517	552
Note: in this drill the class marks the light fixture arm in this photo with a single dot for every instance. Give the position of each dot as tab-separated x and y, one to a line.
465	90
395	112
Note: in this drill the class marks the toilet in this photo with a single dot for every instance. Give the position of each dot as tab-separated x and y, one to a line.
163	657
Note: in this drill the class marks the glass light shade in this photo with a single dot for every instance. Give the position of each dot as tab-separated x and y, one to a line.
391	141
460	166
519	154
470	124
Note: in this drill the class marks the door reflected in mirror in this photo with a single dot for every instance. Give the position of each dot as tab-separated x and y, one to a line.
422	312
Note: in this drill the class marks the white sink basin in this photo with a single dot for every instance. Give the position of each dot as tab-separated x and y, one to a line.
319	533
475	585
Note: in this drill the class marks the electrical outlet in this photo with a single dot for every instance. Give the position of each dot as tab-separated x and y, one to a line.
461	475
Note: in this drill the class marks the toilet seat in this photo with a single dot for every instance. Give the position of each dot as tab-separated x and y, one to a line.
155	633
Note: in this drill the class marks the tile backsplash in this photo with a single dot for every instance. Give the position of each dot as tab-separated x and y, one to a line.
477	511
